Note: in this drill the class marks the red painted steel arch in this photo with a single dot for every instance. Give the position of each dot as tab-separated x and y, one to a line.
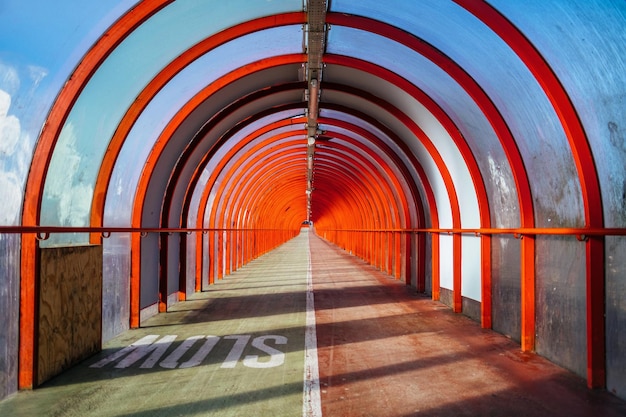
261	150
49	135
587	173
230	155
450	188
42	155
248	175
470	162
380	191
158	148
237	181
463	148
402	202
502	132
420	279
332	165
198	245
137	264
162	78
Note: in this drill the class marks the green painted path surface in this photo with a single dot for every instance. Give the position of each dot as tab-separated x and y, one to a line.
235	350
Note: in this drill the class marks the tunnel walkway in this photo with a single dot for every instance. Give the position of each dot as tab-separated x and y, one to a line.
382	350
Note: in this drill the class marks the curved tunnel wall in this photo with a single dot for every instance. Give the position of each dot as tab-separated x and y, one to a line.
512	120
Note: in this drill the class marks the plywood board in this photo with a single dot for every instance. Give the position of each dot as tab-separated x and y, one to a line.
70	308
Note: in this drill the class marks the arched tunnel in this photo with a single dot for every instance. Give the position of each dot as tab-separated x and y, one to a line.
473	150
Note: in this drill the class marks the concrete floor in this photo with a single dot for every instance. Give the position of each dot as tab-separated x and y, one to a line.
239	350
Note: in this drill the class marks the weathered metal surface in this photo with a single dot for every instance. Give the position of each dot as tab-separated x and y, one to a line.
446	296
471	308
115	285
189	259
506	281
561	302
428	267
149	270
173	263
616	316
9	311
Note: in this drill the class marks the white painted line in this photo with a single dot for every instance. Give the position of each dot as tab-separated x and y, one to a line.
171	361
237	350
202	353
161	347
144	341
312	402
277	357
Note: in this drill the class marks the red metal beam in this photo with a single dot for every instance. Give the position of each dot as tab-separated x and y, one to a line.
460	142
161	79
504	135
269	162
29	278
159	146
587	174
420	250
359	173
402	203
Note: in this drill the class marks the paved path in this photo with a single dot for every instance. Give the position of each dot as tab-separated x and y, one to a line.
236	350
240	349
386	351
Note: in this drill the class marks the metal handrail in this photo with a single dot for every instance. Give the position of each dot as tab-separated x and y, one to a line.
44	232
521	231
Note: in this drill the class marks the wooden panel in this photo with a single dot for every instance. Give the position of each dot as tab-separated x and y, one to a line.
70	308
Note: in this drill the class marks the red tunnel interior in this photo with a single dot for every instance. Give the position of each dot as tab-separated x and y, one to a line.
466	163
